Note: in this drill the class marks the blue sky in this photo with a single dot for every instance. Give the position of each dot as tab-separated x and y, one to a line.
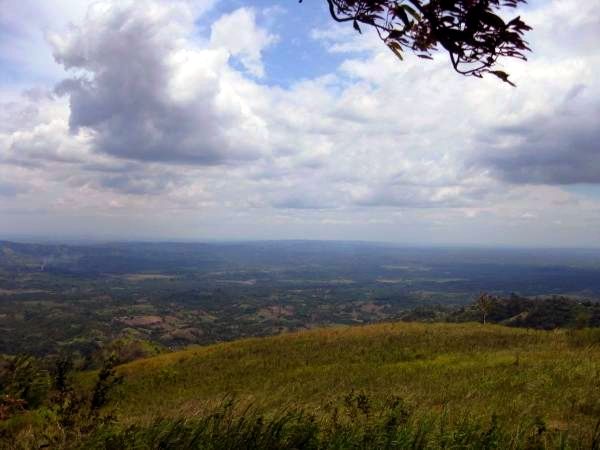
208	119
297	56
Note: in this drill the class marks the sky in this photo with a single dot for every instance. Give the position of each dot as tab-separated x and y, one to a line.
233	119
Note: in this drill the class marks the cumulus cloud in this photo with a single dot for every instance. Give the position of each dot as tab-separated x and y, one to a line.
146	92
34	132
559	147
239	34
46	142
15	116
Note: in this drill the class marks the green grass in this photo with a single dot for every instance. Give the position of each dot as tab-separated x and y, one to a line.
403	385
361	427
460	370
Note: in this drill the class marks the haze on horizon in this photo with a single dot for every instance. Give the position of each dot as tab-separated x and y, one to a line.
208	119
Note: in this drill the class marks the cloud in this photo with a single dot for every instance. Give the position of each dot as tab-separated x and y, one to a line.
428	192
34	132
8	189
560	147
239	34
338	38
302	201
136	184
26	109
47	142
146	92
303	197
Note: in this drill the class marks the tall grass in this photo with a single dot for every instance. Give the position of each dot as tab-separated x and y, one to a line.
354	426
466	369
420	386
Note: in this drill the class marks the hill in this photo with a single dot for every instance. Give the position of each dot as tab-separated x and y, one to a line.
442	381
518	375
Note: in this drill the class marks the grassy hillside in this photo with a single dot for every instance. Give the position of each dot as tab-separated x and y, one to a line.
462	369
396	385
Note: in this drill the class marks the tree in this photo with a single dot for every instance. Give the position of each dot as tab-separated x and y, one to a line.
484	303
471	31
107	380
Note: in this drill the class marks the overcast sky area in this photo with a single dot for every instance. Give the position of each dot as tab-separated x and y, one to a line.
232	119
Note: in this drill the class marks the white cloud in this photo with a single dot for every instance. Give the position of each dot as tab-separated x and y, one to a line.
148	93
238	33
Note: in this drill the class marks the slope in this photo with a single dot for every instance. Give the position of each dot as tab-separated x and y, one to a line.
518	375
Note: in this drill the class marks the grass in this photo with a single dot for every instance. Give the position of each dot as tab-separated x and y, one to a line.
464	371
390	427
396	385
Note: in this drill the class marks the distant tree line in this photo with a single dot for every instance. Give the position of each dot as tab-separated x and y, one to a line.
517	311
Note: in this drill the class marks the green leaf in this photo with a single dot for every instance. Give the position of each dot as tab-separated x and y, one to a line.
396	48
411	11
403	16
503	76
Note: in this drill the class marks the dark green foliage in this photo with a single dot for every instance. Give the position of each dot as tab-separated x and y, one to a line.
107	379
23	384
62	370
547	313
41	408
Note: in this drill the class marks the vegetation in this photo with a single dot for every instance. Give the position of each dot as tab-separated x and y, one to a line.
355	425
109	376
517	311
141	299
472	32
389	385
40	406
